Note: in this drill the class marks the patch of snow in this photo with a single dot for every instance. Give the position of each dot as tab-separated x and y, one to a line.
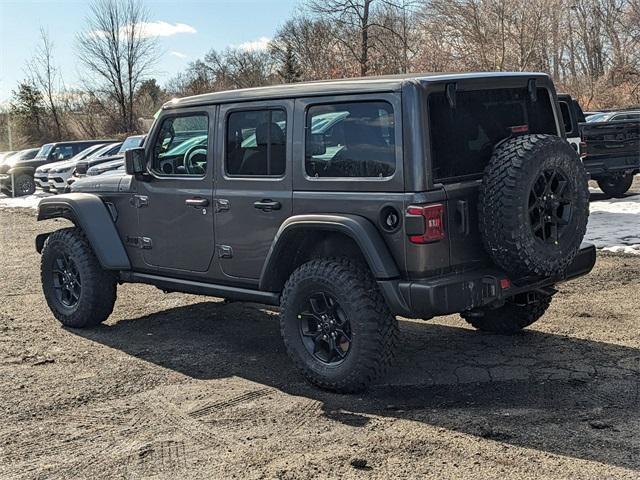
29	201
614	224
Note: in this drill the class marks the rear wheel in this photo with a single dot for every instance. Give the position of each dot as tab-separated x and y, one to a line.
78	291
336	326
24	185
516	314
616	185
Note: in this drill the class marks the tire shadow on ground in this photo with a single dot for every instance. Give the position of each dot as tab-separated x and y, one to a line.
530	389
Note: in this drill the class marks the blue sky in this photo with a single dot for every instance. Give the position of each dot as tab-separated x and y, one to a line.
190	28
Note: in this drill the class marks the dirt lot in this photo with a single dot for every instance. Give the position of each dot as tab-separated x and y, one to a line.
179	386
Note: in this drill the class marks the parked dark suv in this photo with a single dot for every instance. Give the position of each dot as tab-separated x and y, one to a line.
346	203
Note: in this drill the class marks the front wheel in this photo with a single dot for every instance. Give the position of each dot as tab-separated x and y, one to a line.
616	185
336	326
24	185
78	291
517	313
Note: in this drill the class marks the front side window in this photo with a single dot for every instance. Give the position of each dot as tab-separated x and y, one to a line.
181	146
256	143
350	140
62	152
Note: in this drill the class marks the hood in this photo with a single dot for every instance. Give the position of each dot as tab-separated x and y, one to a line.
58	166
98	160
45	168
105	167
103	183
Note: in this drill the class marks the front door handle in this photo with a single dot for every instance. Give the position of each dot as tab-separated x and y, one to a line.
267	205
197	202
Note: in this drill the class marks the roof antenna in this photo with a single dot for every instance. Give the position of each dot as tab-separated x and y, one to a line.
451	94
533	91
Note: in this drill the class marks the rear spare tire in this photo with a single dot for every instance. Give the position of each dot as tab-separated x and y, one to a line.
534	205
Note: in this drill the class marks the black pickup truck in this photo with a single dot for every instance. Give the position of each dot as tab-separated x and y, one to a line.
610	150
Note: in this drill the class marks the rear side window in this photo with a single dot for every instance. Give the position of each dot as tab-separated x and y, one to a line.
256	143
463	138
350	140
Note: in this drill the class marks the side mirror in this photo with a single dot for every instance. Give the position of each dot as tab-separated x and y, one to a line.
134	161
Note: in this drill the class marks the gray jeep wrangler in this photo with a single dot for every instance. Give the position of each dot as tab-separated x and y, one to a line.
346	203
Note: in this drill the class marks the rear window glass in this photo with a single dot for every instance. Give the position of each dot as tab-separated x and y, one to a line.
462	138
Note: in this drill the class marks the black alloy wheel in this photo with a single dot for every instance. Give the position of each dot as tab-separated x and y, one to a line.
66	281
550	205
24	185
325	329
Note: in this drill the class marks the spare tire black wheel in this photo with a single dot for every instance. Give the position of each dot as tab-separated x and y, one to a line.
616	185
534	205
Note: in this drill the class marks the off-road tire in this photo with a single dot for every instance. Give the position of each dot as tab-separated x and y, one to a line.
508	319
616	186
98	286
24	185
374	329
504	210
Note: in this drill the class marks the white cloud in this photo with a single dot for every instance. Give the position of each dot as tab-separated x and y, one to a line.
164	29
153	29
256	45
178	54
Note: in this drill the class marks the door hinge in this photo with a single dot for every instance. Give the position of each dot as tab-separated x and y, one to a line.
139	201
140	242
225	251
222	205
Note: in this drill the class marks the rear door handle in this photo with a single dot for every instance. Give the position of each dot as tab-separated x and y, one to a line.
267	205
197	202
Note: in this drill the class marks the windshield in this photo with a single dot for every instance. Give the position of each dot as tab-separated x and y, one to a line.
44	150
101	151
131	142
87	152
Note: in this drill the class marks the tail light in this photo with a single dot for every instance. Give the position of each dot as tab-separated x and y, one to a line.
425	223
519	129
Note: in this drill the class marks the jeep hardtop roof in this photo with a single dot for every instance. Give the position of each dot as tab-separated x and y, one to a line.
386	83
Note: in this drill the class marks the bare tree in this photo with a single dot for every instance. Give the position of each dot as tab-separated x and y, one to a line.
46	77
353	18
117	49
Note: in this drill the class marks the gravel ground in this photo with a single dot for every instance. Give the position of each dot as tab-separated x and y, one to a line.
180	386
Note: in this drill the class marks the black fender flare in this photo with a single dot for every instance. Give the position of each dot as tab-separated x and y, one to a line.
19	170
361	230
88	212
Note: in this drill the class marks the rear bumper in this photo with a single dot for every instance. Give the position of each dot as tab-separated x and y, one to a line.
599	165
458	292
